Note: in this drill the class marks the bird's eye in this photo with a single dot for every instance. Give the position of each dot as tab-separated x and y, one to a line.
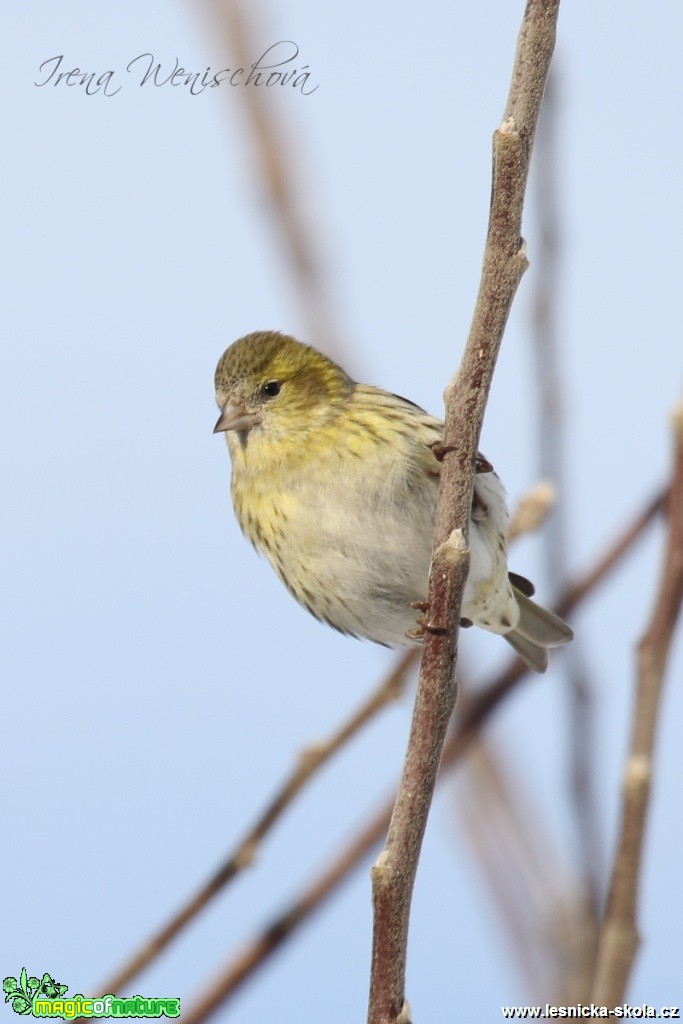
271	389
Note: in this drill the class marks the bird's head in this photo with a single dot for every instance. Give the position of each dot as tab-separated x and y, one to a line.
271	382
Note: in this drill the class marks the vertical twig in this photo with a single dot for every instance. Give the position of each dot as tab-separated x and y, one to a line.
619	938
466	396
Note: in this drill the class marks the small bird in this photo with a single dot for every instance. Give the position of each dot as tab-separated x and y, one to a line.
336	484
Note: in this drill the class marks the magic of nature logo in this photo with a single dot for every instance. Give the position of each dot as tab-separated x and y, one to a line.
45	997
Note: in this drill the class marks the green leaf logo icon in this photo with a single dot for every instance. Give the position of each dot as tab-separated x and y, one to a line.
21	993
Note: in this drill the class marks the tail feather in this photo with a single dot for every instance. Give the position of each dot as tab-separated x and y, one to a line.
540	625
537	630
533	655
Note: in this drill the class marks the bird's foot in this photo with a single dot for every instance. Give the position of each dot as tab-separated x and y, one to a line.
440	450
424	626
481	465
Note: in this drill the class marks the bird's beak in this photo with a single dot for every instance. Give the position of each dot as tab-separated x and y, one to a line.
236	417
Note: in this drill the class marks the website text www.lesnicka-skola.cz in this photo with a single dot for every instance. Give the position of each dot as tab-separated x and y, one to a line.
586	1011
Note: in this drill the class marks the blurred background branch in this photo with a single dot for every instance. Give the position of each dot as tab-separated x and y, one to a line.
535	891
556	539
283	178
308	764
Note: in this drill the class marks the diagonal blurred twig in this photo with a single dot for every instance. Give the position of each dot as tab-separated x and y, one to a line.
310	762
285	925
280	175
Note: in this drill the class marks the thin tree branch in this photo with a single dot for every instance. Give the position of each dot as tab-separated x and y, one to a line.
619	939
258	950
309	763
504	263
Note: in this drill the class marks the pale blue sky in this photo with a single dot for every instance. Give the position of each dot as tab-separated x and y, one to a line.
159	678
